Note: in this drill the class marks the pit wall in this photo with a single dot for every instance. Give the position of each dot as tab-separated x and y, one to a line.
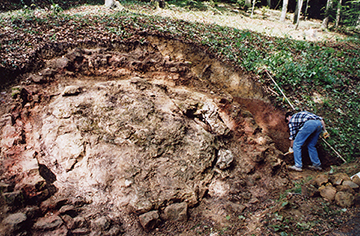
206	67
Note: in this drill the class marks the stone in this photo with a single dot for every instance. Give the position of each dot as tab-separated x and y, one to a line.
113	4
15	198
60	231
345	188
114	231
338	178
32	212
48	223
225	158
14	222
309	191
4	187
81	231
258	156
176	212
71	90
350	184
109	3
150	220
52	203
328	192
357	199
69	221
344	199
234	207
69	210
321	179
47	72
356	180
32	185
80	222
60	63
9	136
37	79
102	223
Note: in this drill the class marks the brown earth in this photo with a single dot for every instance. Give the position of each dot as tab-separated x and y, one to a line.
59	140
97	135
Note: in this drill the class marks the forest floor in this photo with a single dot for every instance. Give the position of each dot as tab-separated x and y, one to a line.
328	220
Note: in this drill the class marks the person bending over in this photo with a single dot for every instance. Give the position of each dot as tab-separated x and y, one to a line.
305	126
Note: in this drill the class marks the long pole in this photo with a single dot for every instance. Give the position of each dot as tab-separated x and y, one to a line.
337	153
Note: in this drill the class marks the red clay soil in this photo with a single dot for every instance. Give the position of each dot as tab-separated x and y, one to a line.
271	120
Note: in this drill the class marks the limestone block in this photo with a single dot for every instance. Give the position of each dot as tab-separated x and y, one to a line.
4	187
71	90
48	223
344	199
356	180
328	192
350	183
357	199
234	207
338	178
225	158
345	188
149	220
113	4
69	210
81	231
9	136
102	223
176	212
309	191
14	222
321	179
15	198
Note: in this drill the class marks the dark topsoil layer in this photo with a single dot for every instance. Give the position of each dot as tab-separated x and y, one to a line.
8	5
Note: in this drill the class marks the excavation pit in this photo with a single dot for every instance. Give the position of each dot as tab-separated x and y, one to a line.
108	136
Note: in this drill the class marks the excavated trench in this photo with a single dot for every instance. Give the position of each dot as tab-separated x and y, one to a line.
137	137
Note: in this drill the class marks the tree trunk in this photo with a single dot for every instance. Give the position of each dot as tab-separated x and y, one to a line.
298	12
306	9
284	10
247	5
269	3
338	14
325	23
252	10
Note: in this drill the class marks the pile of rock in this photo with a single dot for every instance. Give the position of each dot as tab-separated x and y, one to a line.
336	188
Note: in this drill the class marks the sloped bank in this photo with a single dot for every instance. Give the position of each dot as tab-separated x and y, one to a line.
123	138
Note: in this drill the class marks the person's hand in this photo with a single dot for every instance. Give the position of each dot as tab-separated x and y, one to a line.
325	135
291	150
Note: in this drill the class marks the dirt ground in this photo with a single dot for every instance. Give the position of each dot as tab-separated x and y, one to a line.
285	211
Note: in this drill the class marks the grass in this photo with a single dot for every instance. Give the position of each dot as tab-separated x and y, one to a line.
301	67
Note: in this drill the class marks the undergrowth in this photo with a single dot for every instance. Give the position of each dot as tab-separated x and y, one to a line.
301	68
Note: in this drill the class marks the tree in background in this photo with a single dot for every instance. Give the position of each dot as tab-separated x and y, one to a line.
325	23
351	14
297	13
284	10
252	9
338	14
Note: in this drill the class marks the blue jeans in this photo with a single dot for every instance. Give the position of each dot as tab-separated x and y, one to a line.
310	131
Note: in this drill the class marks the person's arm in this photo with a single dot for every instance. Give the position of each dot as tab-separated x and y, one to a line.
325	134
323	125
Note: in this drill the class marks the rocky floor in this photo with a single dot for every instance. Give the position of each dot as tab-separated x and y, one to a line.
137	138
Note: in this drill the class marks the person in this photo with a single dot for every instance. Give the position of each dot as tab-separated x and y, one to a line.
305	126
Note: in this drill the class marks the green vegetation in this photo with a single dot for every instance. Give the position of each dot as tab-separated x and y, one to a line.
301	68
